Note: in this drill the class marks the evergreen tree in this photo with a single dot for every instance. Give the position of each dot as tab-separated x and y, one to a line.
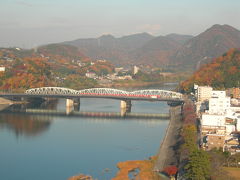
198	166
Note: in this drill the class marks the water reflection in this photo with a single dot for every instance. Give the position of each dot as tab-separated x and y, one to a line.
24	124
21	124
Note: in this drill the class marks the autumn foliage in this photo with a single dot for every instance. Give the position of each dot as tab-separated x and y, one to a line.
170	170
26	73
223	72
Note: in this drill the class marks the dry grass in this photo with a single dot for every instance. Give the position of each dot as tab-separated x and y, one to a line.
145	167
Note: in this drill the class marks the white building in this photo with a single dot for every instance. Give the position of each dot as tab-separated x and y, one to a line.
2	69
135	70
91	75
219	103
213	120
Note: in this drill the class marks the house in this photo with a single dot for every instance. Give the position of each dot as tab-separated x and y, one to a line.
2	69
91	75
215	141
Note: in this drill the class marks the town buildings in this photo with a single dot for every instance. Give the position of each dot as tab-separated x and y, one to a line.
219	119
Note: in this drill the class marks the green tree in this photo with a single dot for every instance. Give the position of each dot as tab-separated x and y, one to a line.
198	166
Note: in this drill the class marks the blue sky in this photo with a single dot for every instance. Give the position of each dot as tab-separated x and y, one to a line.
28	23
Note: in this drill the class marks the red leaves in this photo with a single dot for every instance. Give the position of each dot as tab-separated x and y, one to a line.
171	170
189	115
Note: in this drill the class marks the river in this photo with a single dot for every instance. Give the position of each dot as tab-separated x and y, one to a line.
50	147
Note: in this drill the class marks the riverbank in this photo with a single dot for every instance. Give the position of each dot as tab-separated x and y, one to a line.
4	101
134	84
168	152
166	156
138	169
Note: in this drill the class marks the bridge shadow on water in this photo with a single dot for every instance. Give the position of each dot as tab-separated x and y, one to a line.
30	120
51	111
105	115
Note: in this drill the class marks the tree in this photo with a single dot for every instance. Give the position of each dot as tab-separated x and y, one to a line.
198	166
170	170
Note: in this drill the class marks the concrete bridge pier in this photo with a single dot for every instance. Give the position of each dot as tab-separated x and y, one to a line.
72	105
76	104
69	106
125	106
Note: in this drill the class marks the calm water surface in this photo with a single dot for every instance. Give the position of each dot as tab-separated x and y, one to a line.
47	147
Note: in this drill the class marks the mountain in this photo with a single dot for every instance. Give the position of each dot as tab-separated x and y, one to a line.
179	37
222	72
110	48
173	51
208	45
61	51
156	51
140	48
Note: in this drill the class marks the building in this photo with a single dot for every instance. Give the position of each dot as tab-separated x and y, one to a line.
215	141
91	75
118	69
2	69
203	93
135	70
234	92
102	60
127	77
219	103
212	120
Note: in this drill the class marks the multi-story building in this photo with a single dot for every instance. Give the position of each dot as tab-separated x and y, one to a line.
218	103
204	93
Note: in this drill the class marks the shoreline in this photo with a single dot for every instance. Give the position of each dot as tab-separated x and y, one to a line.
135	84
4	101
166	156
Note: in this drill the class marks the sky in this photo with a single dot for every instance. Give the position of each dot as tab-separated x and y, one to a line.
30	23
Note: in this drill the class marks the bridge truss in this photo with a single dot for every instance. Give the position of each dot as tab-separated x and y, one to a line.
149	93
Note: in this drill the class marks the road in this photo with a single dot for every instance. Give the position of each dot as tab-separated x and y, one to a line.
167	154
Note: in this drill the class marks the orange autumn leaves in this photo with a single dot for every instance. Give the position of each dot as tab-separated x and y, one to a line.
26	73
223	72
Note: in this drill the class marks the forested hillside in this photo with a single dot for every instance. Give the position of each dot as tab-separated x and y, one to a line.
223	72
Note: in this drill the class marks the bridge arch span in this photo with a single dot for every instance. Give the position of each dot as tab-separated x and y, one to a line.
52	90
103	91
158	93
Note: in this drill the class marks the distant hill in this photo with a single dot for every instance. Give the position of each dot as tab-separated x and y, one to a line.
179	38
223	72
110	48
156	51
140	48
210	44
61	50
173	51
